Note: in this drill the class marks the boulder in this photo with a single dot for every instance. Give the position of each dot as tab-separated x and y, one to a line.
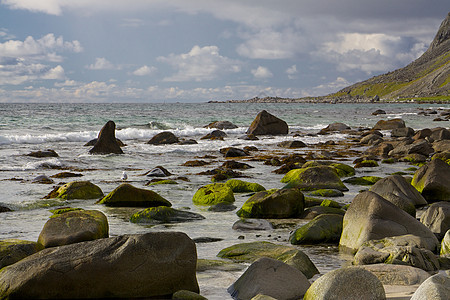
422	134
73	227
441	146
445	245
106	141
400	250
77	190
249	252
402	132
437	287
279	204
389	124
267	124
398	191
371	217
13	250
440	133
336	127
222	207
213	193
420	147
163	138
381	149
350	283
326	228
341	169
437	218
94	141
240	186
151	265
43	179
291	144
433	181
164	214
314	178
314	211
363	180
158	172
187	295
252	224
270	277
126	195
235	152
214	135
379	112
232	164
221	125
370	139
43	153
397	274
327	193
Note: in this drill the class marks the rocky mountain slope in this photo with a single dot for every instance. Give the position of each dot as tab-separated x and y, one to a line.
427	77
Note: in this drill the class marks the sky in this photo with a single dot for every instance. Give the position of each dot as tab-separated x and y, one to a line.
155	51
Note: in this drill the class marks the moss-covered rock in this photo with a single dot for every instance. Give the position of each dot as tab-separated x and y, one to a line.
249	252
325	228
314	178
366	164
62	210
126	195
433	181
341	169
213	193
363	180
330	203
240	186
73	227
13	250
445	244
165	181
78	190
279	204
164	214
327	193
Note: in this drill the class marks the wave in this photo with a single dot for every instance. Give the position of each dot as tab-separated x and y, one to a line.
35	165
28	138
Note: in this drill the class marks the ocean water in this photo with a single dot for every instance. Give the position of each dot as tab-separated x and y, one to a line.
65	128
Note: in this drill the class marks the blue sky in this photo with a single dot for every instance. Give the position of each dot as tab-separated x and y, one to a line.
199	50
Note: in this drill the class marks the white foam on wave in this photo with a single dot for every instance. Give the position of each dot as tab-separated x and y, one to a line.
35	165
82	136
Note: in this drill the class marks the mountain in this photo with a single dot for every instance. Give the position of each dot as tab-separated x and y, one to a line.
428	77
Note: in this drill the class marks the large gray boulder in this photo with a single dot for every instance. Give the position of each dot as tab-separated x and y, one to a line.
389	124
350	283
73	227
13	250
433	181
436	287
106	141
279	204
267	124
437	218
397	274
155	264
417	147
371	217
126	195
398	191
270	277
445	245
163	138
324	228
399	250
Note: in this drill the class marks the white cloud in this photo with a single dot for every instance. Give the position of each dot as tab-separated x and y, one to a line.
56	73
101	63
144	70
133	22
262	73
51	7
329	87
4	34
20	72
292	71
200	64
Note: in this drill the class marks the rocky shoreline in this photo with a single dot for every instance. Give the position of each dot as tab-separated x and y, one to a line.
397	229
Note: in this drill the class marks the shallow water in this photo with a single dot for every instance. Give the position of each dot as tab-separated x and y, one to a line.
66	128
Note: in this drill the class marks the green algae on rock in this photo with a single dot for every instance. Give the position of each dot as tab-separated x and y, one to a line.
77	190
276	204
363	180
326	228
213	193
164	214
249	252
13	250
314	178
327	193
126	195
240	186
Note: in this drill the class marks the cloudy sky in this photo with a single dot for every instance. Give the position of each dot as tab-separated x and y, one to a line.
200	50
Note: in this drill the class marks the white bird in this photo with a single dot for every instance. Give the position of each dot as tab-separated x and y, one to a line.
124	176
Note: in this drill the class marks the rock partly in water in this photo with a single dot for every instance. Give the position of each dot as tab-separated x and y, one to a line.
363	180
214	135
164	214
13	250
126	195
279	204
433	181
436	287
221	125
163	138
270	277
158	171
106	142
154	265
314	178
249	252
213	194
437	218
267	124
74	227
389	124
350	283
326	228
252	224
371	217
240	186
291	144
43	179
43	153
77	190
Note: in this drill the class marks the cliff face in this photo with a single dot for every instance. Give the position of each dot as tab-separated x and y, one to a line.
427	76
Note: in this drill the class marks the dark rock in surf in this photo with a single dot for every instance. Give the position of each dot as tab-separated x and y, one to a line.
267	124
44	153
106	143
221	125
389	124
215	135
164	138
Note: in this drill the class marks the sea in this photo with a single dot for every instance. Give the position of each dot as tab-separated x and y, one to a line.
66	128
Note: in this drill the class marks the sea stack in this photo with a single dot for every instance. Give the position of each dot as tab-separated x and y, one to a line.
267	124
106	142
